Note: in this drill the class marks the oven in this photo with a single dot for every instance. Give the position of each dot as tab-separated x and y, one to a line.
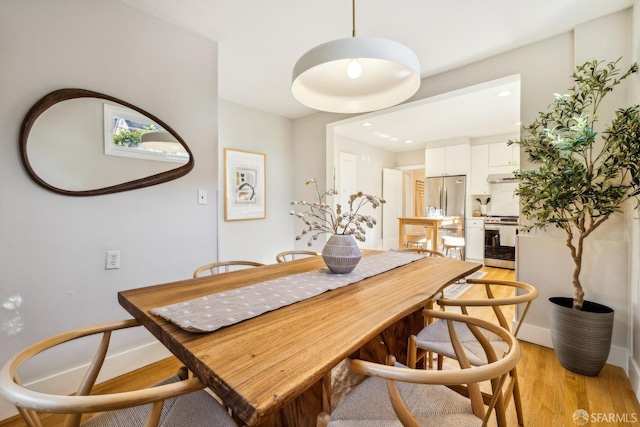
500	241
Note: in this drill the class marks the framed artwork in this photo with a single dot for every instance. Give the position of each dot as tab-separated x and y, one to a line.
244	185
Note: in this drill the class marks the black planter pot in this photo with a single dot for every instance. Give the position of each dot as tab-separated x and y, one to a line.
581	339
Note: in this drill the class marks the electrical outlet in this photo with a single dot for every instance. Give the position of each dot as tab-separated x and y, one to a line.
113	260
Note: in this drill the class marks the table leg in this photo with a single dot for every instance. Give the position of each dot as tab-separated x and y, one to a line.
393	340
302	411
435	243
400	233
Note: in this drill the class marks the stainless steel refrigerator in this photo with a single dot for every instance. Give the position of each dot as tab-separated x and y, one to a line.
448	194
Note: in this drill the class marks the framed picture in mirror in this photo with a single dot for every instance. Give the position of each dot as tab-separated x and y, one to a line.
244	185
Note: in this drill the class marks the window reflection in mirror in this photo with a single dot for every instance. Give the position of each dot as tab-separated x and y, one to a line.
130	134
68	145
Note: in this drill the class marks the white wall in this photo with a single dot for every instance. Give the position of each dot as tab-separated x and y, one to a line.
313	151
54	246
634	218
370	161
248	129
410	158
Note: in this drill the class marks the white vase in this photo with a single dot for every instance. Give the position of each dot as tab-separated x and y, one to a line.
483	210
341	254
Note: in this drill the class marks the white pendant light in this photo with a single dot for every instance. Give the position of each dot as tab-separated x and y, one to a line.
356	74
161	141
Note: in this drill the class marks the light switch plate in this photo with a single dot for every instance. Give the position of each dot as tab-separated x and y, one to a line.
202	197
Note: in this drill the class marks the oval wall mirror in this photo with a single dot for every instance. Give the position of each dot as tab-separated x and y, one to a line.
82	143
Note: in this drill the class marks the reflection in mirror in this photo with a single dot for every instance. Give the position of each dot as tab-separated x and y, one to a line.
83	143
163	142
130	134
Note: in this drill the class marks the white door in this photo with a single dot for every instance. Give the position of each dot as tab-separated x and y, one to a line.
347	177
392	209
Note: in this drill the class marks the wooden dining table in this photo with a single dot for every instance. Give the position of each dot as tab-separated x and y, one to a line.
274	369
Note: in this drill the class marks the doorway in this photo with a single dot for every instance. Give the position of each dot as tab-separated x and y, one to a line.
413	196
397	137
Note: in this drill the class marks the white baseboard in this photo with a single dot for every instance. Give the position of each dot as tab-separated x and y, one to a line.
114	366
535	334
634	377
618	356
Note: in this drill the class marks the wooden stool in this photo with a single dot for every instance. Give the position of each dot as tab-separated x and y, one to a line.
415	239
455	243
418	240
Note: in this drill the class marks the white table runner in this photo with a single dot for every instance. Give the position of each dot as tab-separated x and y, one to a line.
212	312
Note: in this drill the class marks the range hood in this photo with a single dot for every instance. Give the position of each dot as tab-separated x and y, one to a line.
501	177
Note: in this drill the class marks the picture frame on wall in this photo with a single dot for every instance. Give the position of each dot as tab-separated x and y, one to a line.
244	185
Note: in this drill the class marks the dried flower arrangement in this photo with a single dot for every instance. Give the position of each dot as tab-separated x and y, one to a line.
319	217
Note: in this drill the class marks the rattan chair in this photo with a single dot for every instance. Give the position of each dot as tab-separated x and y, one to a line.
417	397
176	401
223	267
293	255
434	338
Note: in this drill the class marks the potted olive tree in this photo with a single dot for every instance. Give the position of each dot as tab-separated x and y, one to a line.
581	176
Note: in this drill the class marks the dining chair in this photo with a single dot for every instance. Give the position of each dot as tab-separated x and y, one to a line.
223	267
178	400
395	395
427	252
434	338
293	255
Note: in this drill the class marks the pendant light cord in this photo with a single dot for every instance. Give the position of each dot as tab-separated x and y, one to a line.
353	18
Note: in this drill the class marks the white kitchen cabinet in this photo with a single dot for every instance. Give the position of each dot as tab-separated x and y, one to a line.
503	158
474	244
449	160
479	169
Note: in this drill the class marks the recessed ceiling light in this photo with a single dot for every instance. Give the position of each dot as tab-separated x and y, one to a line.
365	124
383	135
504	93
394	139
409	141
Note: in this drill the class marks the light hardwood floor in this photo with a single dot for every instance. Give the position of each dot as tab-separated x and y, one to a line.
550	394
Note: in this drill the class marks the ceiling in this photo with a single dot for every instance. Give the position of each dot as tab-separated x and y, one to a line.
260	41
492	108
